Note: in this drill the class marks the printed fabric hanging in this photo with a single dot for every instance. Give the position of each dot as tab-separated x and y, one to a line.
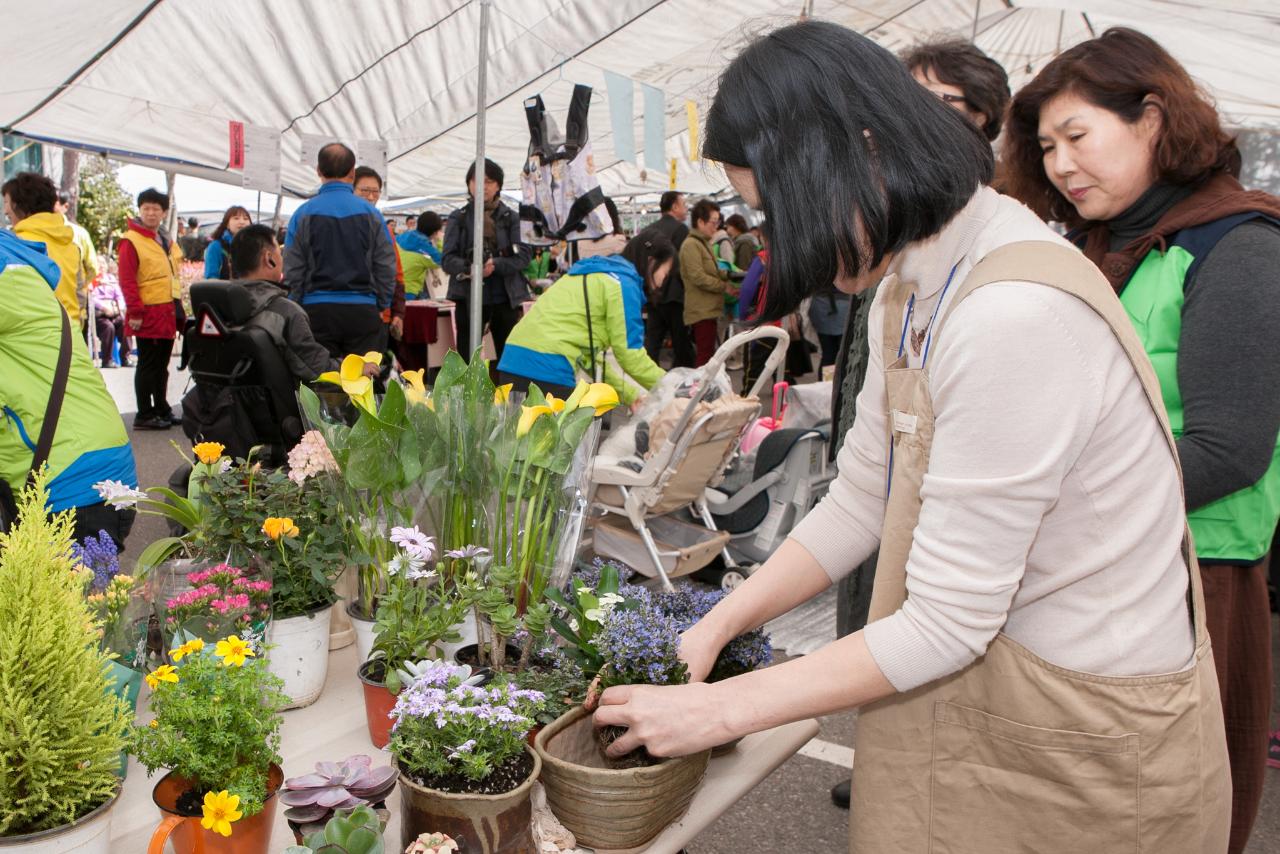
562	195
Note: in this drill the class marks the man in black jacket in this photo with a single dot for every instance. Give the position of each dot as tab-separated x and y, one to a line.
666	306
505	257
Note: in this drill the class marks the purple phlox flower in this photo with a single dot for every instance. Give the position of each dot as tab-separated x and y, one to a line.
414	542
467	553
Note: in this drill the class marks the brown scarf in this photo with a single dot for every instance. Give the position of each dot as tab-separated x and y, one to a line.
490	229
1219	197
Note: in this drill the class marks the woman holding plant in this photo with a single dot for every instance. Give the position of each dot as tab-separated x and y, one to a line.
1011	460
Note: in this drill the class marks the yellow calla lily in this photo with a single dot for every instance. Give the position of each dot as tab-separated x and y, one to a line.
372	358
502	393
575	399
416	390
601	397
530	414
329	377
357	386
556	404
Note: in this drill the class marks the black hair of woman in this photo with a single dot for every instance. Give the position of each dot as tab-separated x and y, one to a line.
825	117
648	251
226	220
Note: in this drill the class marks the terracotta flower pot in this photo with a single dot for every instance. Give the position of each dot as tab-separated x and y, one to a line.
248	835
89	834
604	807
378	703
483	824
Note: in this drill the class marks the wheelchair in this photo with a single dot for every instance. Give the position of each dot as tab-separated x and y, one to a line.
244	395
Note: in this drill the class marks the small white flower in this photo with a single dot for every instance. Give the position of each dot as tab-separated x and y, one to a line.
418	572
406	563
595	615
224	465
118	494
573	623
608	600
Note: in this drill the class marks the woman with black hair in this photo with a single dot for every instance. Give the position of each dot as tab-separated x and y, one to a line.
1012	461
591	310
217	255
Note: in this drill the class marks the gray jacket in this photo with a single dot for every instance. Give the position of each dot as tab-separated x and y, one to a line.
289	327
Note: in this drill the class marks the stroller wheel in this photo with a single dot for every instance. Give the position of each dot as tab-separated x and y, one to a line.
733	577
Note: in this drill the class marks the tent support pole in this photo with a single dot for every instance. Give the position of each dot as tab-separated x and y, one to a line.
477	223
977	11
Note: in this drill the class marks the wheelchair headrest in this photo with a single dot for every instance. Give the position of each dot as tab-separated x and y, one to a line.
229	300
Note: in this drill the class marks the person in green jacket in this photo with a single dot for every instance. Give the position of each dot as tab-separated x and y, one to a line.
90	445
419	250
705	283
593	309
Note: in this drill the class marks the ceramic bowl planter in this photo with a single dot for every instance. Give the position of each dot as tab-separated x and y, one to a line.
608	808
89	834
300	654
483	824
378	702
250	835
363	629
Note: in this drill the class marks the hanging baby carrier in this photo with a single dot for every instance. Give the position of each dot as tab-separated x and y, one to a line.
562	196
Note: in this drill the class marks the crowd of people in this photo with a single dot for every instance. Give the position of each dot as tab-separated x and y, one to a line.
1045	555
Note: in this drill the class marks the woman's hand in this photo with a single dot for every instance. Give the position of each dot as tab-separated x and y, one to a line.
699	652
669	720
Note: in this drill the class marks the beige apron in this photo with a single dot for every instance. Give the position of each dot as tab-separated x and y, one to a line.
1014	754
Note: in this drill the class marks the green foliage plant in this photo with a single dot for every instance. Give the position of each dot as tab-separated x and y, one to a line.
217	721
302	569
60	727
350	831
104	206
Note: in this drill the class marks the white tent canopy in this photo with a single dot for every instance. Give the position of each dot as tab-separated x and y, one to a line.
157	81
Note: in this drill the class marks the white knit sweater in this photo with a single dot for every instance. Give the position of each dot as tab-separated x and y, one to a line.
1051	506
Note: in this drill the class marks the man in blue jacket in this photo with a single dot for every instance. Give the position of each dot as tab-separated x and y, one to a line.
339	261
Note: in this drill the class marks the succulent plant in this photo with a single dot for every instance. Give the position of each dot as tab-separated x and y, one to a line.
350	831
353	782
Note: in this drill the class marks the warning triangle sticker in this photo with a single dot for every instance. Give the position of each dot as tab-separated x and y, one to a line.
208	328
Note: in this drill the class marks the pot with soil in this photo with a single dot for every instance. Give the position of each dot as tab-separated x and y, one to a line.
494	818
608	807
300	654
362	625
470	655
89	834
465	769
378	701
182	809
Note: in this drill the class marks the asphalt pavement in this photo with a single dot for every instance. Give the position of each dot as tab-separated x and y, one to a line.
791	811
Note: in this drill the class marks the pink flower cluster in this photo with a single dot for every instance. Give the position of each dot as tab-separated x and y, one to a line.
221	575
234	602
192	597
310	457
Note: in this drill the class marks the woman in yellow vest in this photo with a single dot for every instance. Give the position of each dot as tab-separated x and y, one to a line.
149	263
1036	674
1114	139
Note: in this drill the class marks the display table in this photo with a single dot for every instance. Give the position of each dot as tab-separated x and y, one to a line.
334	728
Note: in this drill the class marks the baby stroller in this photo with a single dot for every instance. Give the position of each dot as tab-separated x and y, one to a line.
771	488
690	444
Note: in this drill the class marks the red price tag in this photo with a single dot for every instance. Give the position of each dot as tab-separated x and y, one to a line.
236	158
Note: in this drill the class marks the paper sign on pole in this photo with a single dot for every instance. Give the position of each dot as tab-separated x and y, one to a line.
235	157
373	153
261	159
672	182
311	145
691	113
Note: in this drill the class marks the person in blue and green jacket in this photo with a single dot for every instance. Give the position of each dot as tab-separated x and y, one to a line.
419	249
554	343
90	444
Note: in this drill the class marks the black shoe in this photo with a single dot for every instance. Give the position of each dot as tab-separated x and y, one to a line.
151	423
840	794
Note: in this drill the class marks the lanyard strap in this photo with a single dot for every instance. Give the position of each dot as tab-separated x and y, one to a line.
911	305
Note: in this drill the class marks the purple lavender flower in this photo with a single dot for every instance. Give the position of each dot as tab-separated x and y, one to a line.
100	555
